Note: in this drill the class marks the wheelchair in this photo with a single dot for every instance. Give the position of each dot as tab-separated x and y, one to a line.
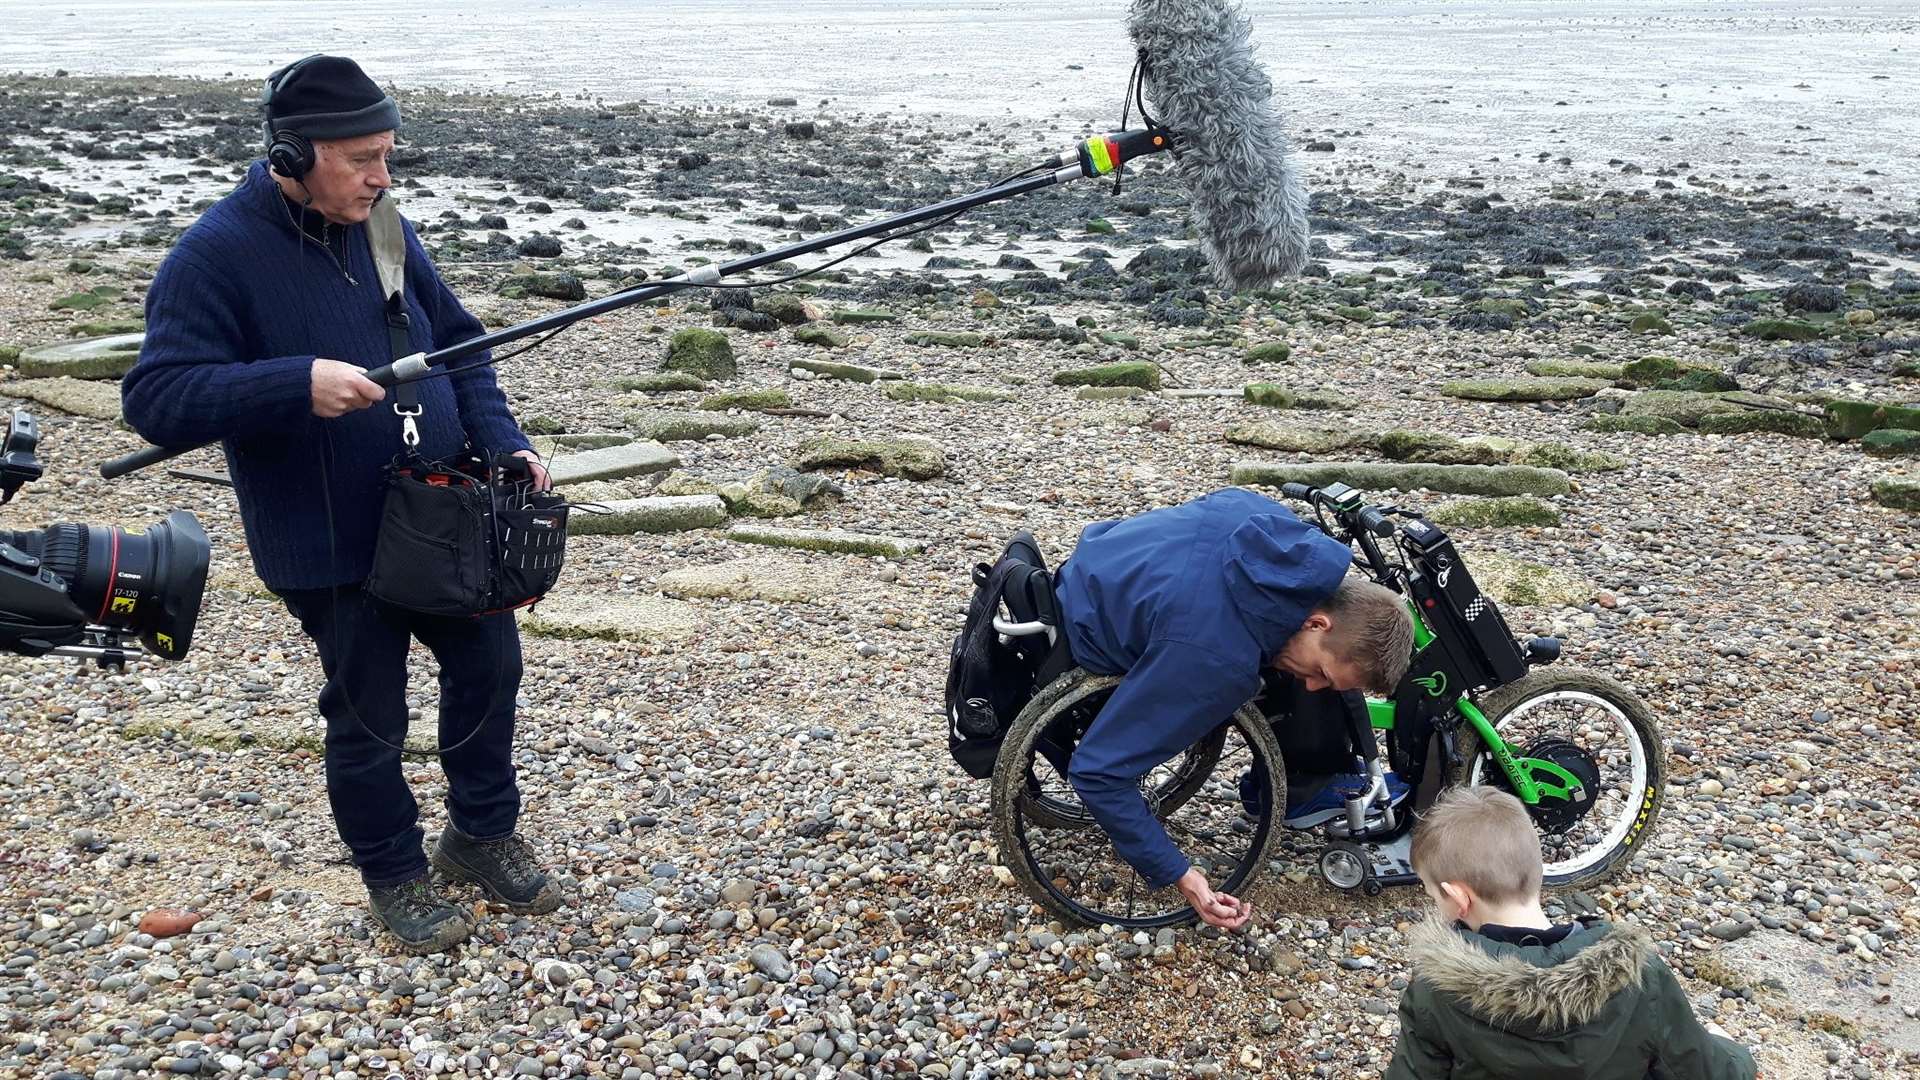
1581	751
1220	799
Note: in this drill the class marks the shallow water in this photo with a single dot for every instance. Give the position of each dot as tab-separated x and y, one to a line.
1750	92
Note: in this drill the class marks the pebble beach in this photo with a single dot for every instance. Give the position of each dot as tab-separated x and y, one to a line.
1685	385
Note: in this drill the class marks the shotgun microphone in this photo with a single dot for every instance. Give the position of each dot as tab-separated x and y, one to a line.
1198	72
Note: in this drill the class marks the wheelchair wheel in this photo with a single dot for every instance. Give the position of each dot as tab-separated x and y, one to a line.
1604	734
1051	802
1060	856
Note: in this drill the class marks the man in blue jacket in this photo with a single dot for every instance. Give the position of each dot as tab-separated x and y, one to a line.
1190	603
260	324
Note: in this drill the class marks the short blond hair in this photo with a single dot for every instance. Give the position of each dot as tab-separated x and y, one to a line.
1482	838
1372	630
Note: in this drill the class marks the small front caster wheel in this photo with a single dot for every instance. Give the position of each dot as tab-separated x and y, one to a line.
1344	865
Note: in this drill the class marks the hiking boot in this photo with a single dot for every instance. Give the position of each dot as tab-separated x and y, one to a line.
504	869
420	917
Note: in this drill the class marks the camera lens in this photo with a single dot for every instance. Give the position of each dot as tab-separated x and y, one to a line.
147	582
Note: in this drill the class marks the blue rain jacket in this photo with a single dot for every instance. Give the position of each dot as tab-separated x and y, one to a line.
1189	603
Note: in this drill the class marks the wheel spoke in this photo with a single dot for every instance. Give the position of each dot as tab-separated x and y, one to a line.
1214	842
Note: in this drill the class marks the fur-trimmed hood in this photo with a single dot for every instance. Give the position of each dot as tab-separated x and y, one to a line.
1546	989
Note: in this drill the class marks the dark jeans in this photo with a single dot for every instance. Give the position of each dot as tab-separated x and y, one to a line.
363	650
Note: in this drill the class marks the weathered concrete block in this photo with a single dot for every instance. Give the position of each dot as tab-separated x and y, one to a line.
834	540
612	463
94	358
1373	475
656	514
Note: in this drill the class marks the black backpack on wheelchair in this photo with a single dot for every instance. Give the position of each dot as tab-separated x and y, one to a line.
999	661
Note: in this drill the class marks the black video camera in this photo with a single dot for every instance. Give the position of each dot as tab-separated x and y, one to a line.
93	592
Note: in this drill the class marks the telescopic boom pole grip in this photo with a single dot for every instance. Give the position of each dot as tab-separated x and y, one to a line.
140	459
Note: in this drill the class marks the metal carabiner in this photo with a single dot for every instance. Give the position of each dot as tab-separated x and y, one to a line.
409	431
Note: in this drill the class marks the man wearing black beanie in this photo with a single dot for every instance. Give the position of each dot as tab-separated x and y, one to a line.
260	325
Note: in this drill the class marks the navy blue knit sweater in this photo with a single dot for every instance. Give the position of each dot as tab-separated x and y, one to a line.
235	318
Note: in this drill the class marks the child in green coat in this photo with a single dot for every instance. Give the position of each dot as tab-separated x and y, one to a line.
1498	991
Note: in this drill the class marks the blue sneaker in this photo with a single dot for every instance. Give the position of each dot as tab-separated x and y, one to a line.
1326	798
1253	797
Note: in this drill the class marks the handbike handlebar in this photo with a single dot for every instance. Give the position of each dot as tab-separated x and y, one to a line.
1362	523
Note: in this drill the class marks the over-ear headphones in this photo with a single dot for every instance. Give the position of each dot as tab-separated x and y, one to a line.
289	153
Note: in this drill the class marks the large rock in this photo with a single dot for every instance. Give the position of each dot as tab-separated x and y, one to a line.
832	540
1683	407
1516	581
1294	437
704	353
1532	389
1270	395
1373	475
1898	492
656	514
612	463
907	458
79	397
94	358
1565	458
1134	373
751	400
1575	369
849	372
1518	510
1637	425
786	308
689	426
96	297
826	337
1275	396
1654	370
612	618
554	286
1271	352
1439	449
945	393
1776	421
1891	442
1852	419
755	579
549	445
1780	330
775	492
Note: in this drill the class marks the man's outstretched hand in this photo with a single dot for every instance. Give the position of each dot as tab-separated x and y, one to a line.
1215	908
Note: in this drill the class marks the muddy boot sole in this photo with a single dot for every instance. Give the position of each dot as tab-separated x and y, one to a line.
545	901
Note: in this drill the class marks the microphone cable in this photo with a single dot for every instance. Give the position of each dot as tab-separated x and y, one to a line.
300	239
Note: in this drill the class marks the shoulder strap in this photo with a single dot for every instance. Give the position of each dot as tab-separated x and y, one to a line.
387	238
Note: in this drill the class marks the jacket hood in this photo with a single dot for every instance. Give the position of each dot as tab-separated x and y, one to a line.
1549	988
1278	569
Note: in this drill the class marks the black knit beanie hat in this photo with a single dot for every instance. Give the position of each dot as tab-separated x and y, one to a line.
326	97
